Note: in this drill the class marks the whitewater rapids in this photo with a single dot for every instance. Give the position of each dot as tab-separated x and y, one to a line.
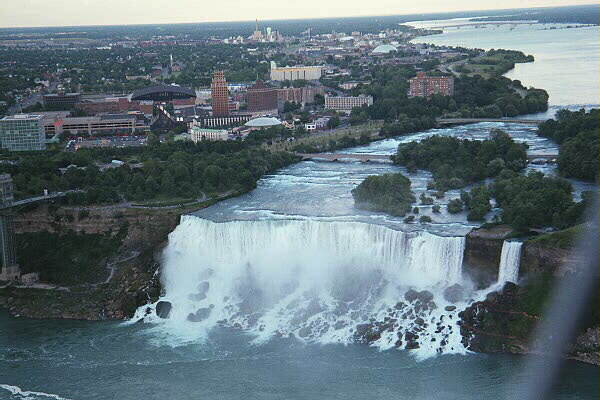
317	281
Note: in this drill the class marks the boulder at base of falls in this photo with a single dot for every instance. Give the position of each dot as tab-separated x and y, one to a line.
304	331
367	333
200	315
454	293
411	345
425	296
450	308
411	295
163	309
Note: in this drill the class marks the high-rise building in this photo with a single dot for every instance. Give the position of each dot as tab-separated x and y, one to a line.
426	86
261	97
220	95
22	132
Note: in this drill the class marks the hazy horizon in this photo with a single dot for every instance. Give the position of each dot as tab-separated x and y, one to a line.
72	13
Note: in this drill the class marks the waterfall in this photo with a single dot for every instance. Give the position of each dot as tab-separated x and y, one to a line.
318	281
510	260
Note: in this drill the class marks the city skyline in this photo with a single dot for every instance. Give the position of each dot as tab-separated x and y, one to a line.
57	13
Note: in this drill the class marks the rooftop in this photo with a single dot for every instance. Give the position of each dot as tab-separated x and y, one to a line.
265	121
384	49
22	117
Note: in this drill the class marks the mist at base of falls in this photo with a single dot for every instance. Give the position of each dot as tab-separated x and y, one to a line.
321	282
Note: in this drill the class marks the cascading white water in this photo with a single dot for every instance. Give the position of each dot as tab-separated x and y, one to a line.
510	260
319	281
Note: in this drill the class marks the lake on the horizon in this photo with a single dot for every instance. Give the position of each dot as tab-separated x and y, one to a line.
566	59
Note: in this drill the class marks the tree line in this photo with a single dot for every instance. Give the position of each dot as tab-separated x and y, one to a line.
576	133
526	201
455	163
161	171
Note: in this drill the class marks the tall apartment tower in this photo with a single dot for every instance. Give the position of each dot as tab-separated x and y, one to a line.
220	95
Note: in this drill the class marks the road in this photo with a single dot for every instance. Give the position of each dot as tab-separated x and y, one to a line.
450	67
29	101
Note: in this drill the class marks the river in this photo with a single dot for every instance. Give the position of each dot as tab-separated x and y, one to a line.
269	289
566	59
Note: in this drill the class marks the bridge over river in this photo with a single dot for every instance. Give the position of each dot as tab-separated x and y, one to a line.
460	121
386	158
345	156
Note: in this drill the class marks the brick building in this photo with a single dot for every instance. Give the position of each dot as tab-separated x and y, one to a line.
426	86
219	95
261	97
300	95
115	105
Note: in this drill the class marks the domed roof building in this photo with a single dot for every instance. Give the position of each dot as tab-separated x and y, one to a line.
263	122
383	49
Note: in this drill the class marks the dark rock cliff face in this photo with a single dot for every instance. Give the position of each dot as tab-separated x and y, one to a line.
134	281
482	257
506	320
483	249
536	258
500	323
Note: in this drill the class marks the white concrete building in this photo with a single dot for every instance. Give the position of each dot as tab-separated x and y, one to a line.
309	73
198	134
347	103
310	127
30	278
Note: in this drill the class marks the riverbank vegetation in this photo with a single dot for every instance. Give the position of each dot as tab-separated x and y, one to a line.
535	201
160	171
388	193
455	163
494	62
576	133
67	258
583	14
477	201
527	201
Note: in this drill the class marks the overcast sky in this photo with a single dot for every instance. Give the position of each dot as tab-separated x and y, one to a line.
120	12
